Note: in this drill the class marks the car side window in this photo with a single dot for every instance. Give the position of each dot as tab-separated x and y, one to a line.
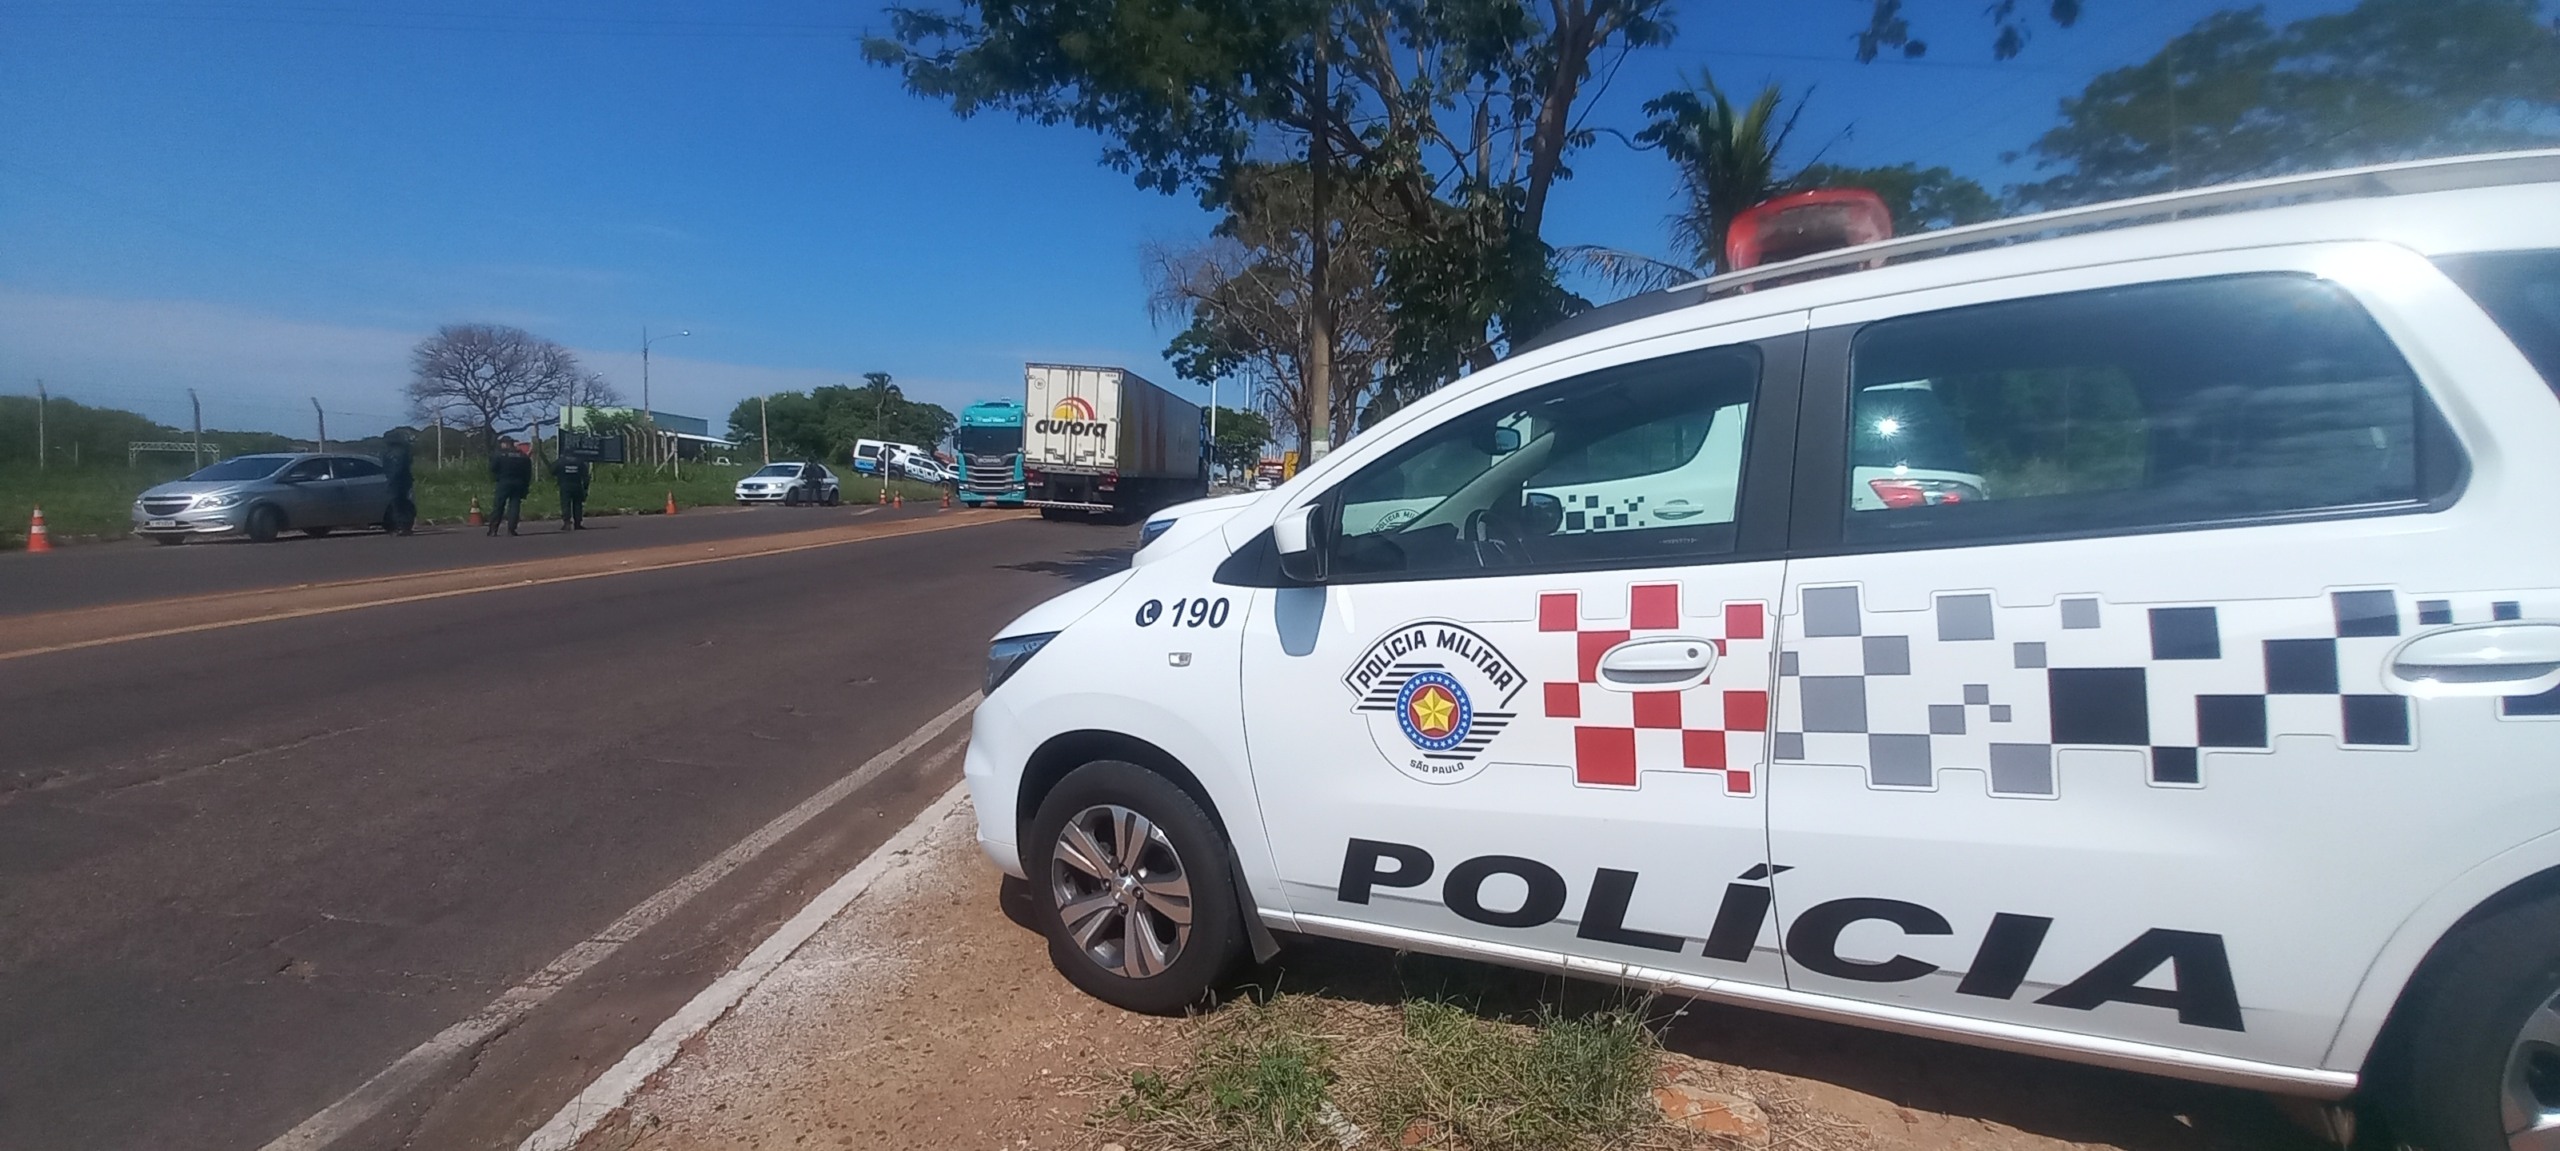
1629	465
306	471
2142	408
350	468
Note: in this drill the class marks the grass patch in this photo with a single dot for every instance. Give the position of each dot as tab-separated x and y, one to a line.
1299	1073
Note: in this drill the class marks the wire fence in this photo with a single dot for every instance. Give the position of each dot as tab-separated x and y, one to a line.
46	425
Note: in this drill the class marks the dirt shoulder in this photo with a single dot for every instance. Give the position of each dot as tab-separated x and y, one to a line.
925	1015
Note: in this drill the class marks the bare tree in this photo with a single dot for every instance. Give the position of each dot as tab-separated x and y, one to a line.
592	390
490	376
1245	299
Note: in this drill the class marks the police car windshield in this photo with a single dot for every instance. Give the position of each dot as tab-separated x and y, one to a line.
779	470
242	468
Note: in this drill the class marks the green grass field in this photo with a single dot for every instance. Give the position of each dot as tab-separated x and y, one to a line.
98	501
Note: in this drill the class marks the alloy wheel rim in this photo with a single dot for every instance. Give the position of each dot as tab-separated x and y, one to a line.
2530	1092
1121	891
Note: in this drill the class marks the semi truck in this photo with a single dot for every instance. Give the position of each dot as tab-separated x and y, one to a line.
990	438
1105	442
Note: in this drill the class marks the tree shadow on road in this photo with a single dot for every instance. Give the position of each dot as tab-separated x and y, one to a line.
2049	1098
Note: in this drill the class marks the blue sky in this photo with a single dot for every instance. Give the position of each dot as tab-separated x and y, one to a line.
272	201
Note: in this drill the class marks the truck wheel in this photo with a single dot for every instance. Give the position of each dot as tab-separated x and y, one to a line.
1132	885
264	523
2475	1061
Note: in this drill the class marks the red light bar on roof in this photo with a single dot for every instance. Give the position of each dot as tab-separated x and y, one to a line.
1803	223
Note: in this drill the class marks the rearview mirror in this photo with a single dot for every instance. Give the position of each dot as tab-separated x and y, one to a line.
1499	441
1299	538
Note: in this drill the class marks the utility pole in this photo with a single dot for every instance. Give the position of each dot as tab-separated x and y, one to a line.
764	429
1213	427
197	407
40	399
439	440
324	422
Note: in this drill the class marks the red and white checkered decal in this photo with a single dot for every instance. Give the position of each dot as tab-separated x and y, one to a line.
1618	735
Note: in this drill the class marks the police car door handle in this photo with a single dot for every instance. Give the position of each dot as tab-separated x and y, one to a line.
1656	662
2480	653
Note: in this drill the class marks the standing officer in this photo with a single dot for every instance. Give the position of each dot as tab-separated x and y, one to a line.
510	477
399	469
571	472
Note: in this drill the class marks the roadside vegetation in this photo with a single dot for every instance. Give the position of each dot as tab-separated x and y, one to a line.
1303	1071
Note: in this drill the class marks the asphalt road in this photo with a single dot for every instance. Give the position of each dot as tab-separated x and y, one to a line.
243	870
89	575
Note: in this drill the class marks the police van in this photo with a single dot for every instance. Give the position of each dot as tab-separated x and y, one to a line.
2128	634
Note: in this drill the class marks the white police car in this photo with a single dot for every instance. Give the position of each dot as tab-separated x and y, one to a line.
2138	646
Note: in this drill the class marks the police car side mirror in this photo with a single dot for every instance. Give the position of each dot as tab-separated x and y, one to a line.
1299	538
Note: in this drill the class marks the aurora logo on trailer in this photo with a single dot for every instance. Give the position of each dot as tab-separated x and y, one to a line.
1434	694
1071	416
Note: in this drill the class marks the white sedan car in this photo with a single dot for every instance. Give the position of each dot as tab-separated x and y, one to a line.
789	484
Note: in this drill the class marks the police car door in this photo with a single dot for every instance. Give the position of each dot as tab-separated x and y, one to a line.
1524	710
2085	721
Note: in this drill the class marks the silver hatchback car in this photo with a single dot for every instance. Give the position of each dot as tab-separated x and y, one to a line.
261	495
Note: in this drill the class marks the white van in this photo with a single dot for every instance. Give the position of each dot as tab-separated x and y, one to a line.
2134	639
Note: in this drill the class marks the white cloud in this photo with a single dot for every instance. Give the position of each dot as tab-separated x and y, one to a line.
254	370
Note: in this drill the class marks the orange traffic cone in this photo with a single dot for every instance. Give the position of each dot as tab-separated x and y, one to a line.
671	503
946	501
884	493
902	500
475	512
38	540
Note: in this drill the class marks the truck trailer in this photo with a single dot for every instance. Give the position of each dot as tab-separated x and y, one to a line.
1105	442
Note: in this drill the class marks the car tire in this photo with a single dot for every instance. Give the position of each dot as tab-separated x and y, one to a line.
791	498
835	497
263	523
1127	905
2473	1051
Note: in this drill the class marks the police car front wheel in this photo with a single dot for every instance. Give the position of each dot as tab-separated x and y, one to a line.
1134	889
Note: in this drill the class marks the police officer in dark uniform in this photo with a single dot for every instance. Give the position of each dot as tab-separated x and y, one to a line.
400	470
510	477
572	474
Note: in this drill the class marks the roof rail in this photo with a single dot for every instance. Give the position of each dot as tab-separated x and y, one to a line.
2480	171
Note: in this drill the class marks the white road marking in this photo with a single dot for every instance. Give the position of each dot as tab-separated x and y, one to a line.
614	1088
392	1083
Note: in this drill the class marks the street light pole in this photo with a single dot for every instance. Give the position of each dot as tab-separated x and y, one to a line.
40	400
649	418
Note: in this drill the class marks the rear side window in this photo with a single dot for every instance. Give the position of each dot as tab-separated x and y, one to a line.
348	467
2520	290
2145	408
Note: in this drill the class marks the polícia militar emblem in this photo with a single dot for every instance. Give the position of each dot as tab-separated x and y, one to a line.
1435	694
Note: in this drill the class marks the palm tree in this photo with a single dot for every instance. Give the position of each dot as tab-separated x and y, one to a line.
1728	161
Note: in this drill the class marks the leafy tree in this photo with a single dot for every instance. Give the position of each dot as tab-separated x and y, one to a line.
2234	99
1241	437
490	377
1190	94
824	422
73	431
